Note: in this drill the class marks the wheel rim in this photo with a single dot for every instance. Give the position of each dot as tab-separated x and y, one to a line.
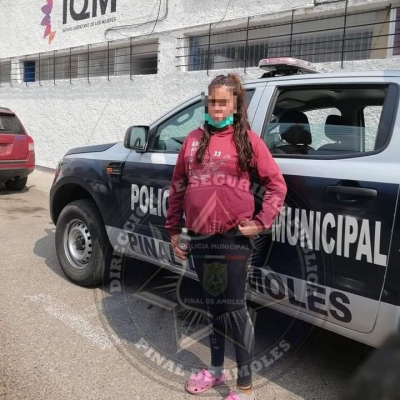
77	244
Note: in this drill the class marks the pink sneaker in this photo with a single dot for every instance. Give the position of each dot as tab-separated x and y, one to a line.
202	381
234	396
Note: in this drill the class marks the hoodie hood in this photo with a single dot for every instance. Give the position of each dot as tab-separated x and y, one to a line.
220	132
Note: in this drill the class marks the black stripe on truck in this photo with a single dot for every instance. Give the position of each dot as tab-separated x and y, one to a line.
90	149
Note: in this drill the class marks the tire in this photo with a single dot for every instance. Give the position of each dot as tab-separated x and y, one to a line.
16	184
81	243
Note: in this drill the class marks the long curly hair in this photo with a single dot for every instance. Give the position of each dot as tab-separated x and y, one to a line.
241	124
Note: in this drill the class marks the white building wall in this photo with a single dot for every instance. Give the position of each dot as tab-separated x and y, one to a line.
66	115
20	20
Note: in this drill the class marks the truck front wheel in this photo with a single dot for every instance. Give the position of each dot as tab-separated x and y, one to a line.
81	243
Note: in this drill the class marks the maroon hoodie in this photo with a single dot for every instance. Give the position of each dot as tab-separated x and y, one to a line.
215	196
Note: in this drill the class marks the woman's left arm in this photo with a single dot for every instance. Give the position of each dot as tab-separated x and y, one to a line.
273	182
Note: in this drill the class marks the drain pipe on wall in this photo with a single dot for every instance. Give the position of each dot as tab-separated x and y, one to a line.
344	33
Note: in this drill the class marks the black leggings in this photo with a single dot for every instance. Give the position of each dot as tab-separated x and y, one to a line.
220	262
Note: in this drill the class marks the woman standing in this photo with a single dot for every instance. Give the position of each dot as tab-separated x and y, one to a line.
211	184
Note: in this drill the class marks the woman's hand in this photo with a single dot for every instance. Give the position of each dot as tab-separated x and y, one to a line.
248	228
179	254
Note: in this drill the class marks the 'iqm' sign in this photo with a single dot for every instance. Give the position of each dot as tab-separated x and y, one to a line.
86	11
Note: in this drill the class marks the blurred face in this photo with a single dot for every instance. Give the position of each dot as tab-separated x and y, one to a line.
221	102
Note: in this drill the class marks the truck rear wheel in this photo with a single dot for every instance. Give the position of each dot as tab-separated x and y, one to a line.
81	243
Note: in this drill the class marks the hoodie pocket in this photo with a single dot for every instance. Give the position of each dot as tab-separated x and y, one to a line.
239	203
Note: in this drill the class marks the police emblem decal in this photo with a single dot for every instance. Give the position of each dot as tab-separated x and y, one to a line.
215	278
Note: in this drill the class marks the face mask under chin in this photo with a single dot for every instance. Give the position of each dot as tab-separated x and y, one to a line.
221	124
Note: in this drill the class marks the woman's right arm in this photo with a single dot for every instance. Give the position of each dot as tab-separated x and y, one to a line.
176	194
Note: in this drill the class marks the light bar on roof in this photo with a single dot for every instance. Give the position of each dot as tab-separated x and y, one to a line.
287	64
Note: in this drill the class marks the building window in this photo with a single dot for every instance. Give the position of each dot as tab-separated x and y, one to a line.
5	72
101	61
320	40
143	60
396	39
29	71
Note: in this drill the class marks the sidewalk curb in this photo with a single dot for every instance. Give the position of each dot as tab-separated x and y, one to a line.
41	179
45	169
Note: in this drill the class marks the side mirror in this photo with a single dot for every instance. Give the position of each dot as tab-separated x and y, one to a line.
136	138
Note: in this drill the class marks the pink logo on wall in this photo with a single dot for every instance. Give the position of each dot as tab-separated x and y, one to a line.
46	9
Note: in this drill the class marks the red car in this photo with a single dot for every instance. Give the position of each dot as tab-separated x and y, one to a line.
17	151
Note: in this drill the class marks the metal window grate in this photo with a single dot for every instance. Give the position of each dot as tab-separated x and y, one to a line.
328	38
104	60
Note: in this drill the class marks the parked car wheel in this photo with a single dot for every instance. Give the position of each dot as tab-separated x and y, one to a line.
81	243
16	184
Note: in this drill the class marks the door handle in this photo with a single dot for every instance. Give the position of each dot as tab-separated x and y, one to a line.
352	191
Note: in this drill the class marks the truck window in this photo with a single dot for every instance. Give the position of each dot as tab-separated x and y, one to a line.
325	121
171	133
317	119
372	116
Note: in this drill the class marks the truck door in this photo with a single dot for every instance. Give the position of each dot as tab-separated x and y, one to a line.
328	251
147	177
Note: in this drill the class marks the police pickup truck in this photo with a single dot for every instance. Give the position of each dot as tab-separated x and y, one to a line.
332	257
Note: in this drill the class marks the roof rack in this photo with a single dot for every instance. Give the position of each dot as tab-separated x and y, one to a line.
283	66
